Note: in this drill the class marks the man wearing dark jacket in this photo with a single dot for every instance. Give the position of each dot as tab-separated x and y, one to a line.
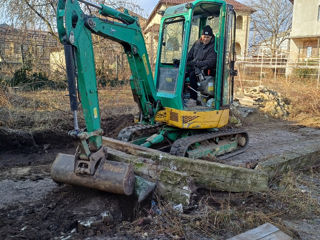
201	56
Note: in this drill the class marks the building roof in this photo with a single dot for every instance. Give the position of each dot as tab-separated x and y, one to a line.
237	6
153	28
316	37
4	25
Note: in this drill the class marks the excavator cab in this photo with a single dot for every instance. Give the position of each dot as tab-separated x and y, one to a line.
181	26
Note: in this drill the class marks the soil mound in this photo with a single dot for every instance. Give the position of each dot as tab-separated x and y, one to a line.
33	139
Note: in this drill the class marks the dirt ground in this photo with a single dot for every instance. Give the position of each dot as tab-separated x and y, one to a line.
34	207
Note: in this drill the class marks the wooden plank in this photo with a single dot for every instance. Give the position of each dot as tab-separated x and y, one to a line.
266	231
125	146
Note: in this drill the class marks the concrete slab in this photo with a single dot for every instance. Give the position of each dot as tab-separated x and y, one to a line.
279	140
266	231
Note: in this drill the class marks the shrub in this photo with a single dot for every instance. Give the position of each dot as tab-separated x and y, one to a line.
305	72
26	79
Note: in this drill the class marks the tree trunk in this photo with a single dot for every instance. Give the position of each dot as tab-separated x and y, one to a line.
178	176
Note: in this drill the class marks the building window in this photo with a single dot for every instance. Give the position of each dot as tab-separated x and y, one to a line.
17	48
239	22
309	52
319	13
238	49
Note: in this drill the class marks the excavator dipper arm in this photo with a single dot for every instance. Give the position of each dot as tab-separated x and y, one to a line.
75	28
75	32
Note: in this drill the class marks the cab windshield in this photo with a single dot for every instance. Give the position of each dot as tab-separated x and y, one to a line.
171	52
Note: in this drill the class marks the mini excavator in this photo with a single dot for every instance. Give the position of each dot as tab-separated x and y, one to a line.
165	122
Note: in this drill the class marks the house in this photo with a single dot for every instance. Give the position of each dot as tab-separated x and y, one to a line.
305	34
17	46
110	60
152	27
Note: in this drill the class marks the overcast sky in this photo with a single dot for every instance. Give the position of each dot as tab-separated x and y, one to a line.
148	5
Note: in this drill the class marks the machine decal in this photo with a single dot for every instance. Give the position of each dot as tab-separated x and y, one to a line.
145	63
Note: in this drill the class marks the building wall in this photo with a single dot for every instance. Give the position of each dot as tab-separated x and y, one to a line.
18	46
305	18
57	60
242	32
305	34
151	39
151	34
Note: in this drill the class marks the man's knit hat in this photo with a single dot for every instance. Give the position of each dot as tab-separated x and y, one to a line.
207	30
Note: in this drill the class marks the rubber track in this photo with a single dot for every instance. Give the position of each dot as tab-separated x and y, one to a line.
126	133
180	146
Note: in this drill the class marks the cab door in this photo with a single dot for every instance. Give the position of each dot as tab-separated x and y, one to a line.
229	58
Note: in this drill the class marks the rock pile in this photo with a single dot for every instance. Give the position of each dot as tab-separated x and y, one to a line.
267	100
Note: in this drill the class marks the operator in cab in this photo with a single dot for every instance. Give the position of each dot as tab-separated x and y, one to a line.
201	57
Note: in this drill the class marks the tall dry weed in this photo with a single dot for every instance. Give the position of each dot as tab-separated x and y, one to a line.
4	102
303	95
219	215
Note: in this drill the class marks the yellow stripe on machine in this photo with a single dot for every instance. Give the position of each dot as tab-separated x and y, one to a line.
193	119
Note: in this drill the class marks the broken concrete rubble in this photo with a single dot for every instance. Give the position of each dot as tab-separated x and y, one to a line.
266	100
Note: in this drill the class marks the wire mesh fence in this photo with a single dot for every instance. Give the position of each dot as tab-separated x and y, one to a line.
255	70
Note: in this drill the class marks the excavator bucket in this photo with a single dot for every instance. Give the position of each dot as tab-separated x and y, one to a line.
109	176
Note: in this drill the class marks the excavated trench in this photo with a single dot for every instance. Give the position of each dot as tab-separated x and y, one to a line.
34	207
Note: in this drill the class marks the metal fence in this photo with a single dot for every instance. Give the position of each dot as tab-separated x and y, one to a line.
260	68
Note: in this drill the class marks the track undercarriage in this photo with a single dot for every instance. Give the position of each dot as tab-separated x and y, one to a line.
197	144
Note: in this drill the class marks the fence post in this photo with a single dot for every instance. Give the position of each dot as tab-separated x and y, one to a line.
239	76
319	63
261	68
318	73
287	75
275	66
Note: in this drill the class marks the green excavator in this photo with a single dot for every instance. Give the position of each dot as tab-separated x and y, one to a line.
166	123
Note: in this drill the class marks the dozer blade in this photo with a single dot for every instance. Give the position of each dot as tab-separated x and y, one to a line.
110	176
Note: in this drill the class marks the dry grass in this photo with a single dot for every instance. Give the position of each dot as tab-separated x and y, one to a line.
222	215
4	102
50	108
39	108
302	95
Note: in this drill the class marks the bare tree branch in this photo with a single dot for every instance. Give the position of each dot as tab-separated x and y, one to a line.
271	23
43	18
